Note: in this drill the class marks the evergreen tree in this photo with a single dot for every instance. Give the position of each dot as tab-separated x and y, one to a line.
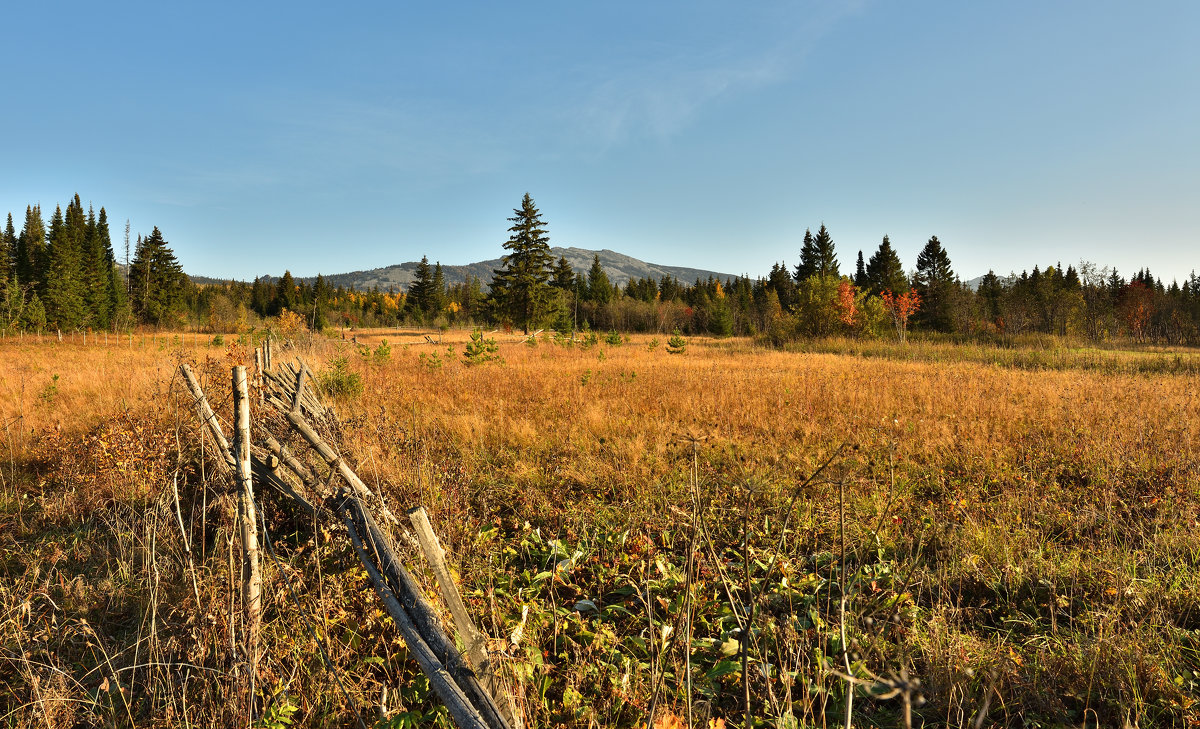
935	282
8	253
885	272
564	275
860	273
97	270
817	257
63	287
437	291
600	290
420	290
31	256
285	293
520	289
34	317
156	280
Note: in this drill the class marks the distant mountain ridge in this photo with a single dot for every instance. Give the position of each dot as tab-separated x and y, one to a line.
619	267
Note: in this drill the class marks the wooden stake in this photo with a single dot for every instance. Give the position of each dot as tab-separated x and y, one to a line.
251	576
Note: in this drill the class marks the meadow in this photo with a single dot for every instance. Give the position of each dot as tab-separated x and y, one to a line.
946	534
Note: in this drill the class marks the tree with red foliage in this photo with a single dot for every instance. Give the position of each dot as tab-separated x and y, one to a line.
900	308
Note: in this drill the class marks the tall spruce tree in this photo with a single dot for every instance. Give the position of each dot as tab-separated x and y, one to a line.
64	286
156	280
520	290
885	272
817	256
437	291
31	256
8	253
419	291
935	282
564	276
860	273
600	289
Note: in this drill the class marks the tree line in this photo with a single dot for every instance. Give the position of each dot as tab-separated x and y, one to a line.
814	297
63	275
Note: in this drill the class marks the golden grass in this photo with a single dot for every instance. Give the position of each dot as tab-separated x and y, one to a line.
1046	517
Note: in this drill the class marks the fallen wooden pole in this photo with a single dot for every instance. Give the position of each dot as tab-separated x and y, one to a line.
209	418
469	634
334	460
421	613
464	714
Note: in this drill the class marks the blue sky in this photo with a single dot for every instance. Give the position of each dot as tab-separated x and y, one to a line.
264	136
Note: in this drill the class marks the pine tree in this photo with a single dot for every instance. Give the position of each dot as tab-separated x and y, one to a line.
520	290
935	282
437	291
817	257
285	292
885	272
156	280
97	270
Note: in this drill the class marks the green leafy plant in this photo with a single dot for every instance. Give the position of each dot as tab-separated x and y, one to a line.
614	339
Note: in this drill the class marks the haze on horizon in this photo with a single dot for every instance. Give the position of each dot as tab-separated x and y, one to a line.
708	135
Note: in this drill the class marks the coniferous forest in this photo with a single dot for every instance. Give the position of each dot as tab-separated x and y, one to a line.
63	275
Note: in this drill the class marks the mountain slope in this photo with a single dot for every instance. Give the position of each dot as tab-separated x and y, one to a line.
619	267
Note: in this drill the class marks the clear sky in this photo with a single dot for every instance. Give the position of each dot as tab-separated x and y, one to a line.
328	137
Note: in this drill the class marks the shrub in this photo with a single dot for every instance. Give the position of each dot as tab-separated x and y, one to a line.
480	350
341	381
676	344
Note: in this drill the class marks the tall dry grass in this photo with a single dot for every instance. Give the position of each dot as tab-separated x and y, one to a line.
1031	532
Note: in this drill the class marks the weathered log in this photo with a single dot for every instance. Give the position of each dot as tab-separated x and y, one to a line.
331	457
467	632
465	715
412	599
209	418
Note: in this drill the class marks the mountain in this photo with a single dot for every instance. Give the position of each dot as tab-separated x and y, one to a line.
619	267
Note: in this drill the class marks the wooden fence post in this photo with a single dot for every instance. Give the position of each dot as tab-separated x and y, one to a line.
251	577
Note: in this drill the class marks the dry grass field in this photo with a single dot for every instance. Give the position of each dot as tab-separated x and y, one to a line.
953	536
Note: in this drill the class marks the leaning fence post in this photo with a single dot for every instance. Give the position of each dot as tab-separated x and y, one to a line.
252	578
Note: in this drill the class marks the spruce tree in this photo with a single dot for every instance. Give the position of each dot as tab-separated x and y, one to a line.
156	280
564	275
520	290
599	288
885	272
64	288
437	291
935	282
860	273
31	256
285	292
8	253
817	257
419	290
